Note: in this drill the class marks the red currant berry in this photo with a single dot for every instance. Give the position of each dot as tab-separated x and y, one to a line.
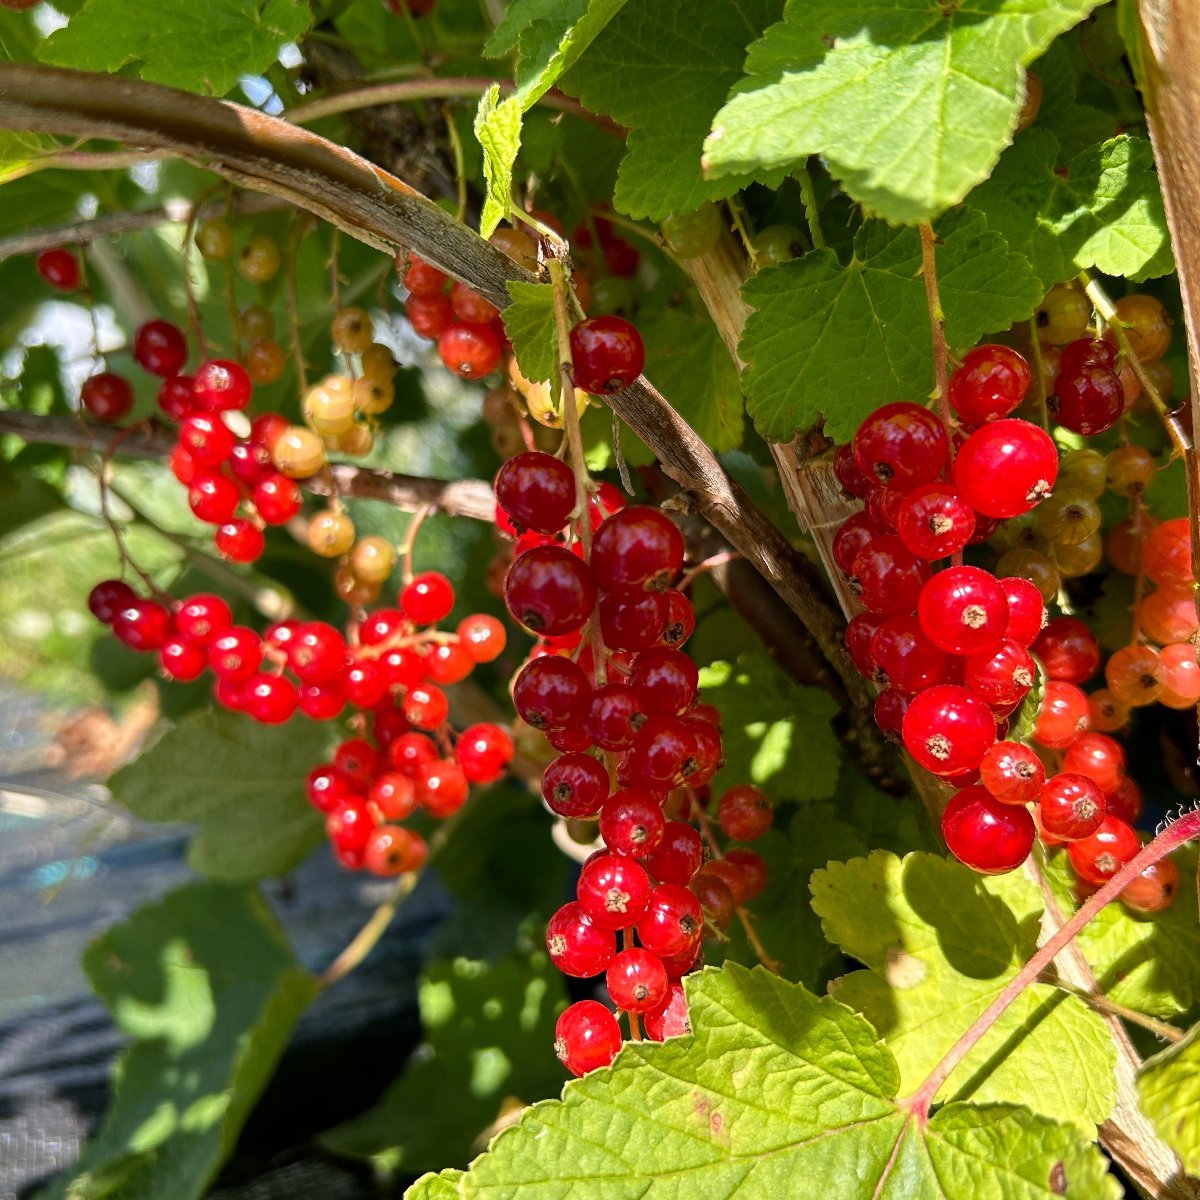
1096	859
239	541
1006	467
327	790
613	891
948	730
860	633
484	752
990	837
207	439
670	1018
1085	352
442	789
428	599
901	445
678	856
107	599
637	980
550	591
142	625
412	754
551	692
890	706
537	491
393	795
633	620
271	699
182	660
1002	676
470	306
426	707
430	316
220	385
607	355
235	654
107	397
160	348
277	498
1153	890
681	619
1012	773
423	279
636	549
1062	717
213	498
889	577
575	785
672	922
1026	610
716	898
1068	650
364	683
482	637
615	713
909	660
632	823
850	475
250	462
202	617
991	381
1125	801
665	679
1167	554
392	851
447	663
745	813
350	826
751	871
662	753
175	397
963	610
1097	757
586	1035
935	521
1089	401
470	351
854	535
578	947
1071	806
183	465
58	267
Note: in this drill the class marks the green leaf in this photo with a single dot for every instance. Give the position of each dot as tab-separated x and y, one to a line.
489	1033
910	105
939	943
839	341
692	367
776	733
1020	728
550	37
777	1093
442	1186
663	69
1103	212
1148	963
206	984
198	47
529	323
1169	1091
242	783
23	499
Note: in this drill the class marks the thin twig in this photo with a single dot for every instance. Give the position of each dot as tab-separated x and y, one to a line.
1169	1033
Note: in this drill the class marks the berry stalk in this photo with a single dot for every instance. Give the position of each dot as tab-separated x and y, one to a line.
1183	830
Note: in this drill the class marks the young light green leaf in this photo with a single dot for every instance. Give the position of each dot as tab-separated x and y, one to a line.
489	1032
839	341
1169	1090
1104	212
198	47
692	367
776	1090
550	39
243	785
776	733
529	323
442	1186
206	984
939	943
663	69
829	77
1147	963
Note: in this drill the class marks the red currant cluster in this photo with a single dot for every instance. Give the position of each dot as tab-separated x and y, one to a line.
621	710
391	673
957	649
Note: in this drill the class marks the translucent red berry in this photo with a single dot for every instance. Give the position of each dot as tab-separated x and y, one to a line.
470	351
1012	773
108	397
906	657
239	541
889	577
745	813
636	549
964	610
637	980
988	836
536	490
1002	676
550	591
935	521
428	599
990	382
679	854
1071	806
551	692
108	597
160	348
1004	468
586	1037
578	947
901	445
607	354
484	752
1096	859
613	891
947	729
58	267
631	822
1100	758
575	785
1062	717
221	385
672	922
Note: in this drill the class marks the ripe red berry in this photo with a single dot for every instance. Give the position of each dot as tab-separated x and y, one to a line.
1002	676
536	490
442	789
615	713
1004	468
550	591
632	823
206	438
202	617
613	891
107	397
860	633
1097	757
175	397
393	795
751	871
575	785
662	754
182	660
447	663
636	549
1026	610
672	922
250	462
681	619
1085	352
213	498
412	754
426	707
1088	401
428	599
58	267
326	788
392	850
963	610
423	279
889	576
890	706
271	699
906	657
607	355
277	498
665	679
160	348
670	1019
239	541
235	654
637	980
988	836
633	620
1071	806
1154	889
716	898
578	947
1063	715
679	854
551	692
1167	554
484	752
586	1035
142	625
745	813
901	445
108	597
1096	859
220	385
948	730
990	382
430	316
934	521
1068	650
1012	773
850	475
469	306
470	351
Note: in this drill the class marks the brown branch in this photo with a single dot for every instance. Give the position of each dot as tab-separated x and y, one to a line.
471	498
268	154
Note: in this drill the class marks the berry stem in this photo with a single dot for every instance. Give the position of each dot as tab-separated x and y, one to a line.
701	817
1160	1029
1106	309
739	224
410	541
1183	830
709	564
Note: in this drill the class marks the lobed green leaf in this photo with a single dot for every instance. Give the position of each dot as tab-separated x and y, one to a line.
1169	1090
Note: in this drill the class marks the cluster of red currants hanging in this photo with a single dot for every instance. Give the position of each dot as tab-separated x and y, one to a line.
961	651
